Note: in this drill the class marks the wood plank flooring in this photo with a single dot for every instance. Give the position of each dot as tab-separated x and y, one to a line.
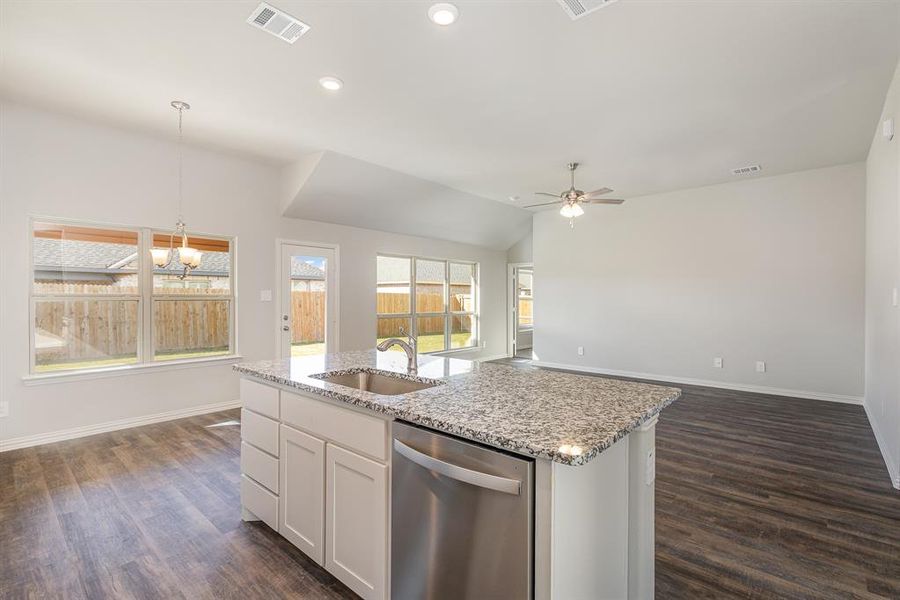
756	497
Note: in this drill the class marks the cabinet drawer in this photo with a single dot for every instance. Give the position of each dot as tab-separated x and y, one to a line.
347	427
259	398
260	501
259	466
260	431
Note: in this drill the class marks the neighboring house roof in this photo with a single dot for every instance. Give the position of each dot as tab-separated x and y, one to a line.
396	270
304	270
75	256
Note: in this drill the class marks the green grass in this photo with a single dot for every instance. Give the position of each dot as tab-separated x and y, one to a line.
435	343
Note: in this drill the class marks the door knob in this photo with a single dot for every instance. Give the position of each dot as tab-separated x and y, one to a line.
285	327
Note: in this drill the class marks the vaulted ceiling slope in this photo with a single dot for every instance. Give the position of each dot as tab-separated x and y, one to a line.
647	95
334	188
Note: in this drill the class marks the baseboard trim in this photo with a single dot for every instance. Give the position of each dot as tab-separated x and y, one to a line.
741	387
77	432
893	468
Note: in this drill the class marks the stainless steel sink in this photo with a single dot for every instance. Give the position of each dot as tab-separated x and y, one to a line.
386	385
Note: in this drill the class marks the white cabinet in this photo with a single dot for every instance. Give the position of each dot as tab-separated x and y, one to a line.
302	518
316	472
356	521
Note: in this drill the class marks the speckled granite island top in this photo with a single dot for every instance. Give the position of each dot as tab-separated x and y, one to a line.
559	416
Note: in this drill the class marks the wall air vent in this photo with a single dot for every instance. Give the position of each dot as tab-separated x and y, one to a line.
277	22
578	8
746	170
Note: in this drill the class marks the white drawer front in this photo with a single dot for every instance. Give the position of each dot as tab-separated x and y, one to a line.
347	427
260	431
259	398
260	501
259	466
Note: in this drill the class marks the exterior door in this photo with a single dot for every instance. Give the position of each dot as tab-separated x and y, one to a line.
308	317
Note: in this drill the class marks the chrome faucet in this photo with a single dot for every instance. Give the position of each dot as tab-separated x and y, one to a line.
409	346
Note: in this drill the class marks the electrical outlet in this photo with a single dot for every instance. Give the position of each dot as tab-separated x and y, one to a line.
717	362
483	344
265	295
760	366
580	350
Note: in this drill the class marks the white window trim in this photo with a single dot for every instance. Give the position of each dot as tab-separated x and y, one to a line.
413	315
145	299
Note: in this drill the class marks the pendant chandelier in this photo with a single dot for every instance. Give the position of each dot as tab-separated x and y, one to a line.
187	256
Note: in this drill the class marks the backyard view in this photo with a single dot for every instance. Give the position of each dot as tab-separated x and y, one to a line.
88	298
439	309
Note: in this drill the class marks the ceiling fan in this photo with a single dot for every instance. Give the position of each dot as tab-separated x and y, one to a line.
572	199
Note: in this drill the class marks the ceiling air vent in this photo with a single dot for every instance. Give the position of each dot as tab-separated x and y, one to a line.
746	170
578	8
277	22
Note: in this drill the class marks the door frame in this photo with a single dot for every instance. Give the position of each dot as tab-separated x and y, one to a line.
279	245
512	306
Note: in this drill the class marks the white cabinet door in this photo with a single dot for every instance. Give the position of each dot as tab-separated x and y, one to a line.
303	492
356	522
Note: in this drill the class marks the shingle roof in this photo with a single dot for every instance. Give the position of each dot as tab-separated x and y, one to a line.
75	256
396	270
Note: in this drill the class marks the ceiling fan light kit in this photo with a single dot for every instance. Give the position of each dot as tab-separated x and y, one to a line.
573	198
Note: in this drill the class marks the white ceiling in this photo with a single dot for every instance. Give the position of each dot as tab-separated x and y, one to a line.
334	188
649	96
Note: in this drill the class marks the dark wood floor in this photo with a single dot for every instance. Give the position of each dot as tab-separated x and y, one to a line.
757	497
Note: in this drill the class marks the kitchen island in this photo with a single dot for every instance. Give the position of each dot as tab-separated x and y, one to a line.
591	438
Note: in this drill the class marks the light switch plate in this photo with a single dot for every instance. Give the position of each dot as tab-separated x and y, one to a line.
265	295
760	366
717	362
887	129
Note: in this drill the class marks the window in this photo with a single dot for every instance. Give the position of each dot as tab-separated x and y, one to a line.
526	298
92	305
435	301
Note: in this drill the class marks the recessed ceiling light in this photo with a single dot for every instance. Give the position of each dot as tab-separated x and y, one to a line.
332	84
443	13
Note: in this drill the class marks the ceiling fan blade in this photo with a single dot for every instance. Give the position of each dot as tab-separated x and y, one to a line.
544	204
600	192
546	194
603	200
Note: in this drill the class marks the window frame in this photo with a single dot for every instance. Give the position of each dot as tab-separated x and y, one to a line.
447	314
145	351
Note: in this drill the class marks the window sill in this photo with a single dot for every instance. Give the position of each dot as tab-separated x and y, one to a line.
102	373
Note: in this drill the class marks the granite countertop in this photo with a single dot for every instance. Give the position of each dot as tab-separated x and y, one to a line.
559	416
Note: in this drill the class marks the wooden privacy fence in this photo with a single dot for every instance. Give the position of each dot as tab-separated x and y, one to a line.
308	314
95	329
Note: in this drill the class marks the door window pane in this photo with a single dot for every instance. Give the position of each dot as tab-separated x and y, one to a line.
462	287
430	278
190	328
211	277
308	305
389	327
84	260
393	288
430	333
84	333
462	332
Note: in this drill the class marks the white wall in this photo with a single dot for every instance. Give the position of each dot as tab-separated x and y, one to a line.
882	281
765	269
520	252
56	166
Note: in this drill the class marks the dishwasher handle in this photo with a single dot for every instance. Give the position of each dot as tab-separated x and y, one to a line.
477	478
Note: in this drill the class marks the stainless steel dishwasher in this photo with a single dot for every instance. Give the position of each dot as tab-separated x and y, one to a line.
461	519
